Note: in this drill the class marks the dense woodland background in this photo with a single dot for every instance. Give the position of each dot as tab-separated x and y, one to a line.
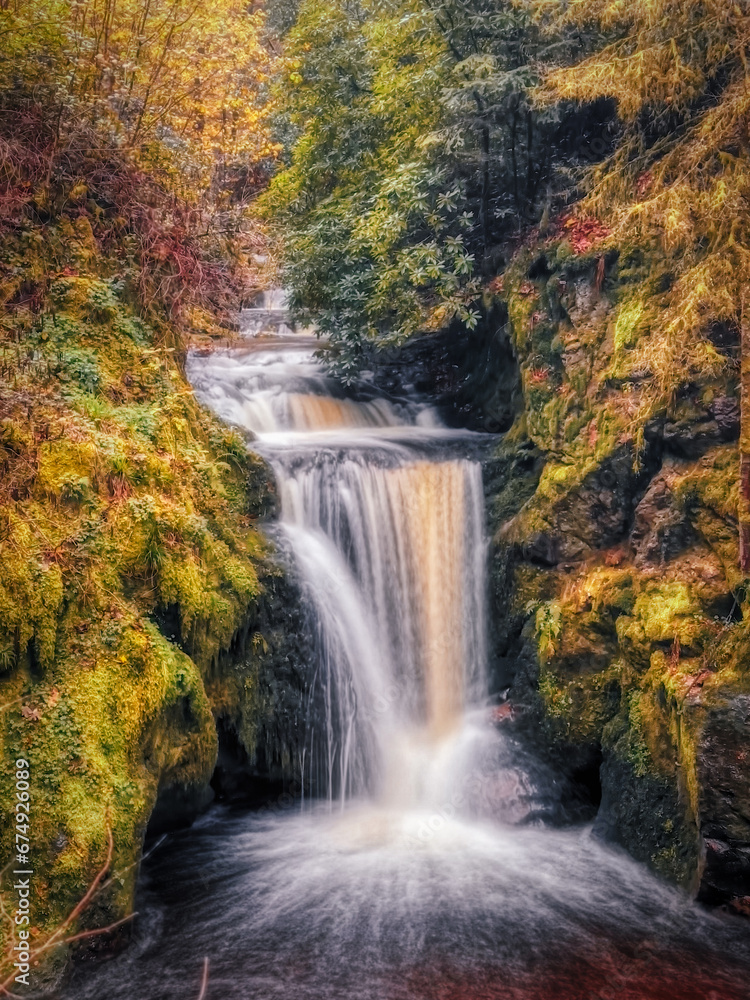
398	165
411	145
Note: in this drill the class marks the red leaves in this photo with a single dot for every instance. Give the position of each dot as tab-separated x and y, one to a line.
33	713
537	376
584	233
696	681
174	257
644	182
615	557
503	713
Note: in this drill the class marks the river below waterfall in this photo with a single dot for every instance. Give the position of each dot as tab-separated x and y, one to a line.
428	856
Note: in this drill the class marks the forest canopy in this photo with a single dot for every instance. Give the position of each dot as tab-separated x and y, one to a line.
179	82
428	136
418	151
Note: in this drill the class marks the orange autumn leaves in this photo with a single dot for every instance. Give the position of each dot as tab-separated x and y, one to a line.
183	81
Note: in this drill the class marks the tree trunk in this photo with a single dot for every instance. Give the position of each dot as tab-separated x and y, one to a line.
485	209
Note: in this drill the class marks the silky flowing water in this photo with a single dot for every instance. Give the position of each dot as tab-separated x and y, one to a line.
420	860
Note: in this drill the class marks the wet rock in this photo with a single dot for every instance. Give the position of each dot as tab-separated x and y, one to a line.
723	772
693	428
471	376
596	515
178	806
726	875
638	814
660	529
726	412
690	440
545	549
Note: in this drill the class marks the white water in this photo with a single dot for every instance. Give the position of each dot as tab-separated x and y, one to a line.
389	546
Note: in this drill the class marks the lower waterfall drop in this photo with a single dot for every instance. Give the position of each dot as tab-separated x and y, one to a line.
392	560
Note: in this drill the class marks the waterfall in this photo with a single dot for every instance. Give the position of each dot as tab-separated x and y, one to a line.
431	857
392	560
386	530
435	855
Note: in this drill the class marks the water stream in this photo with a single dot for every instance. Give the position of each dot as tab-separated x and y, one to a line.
421	862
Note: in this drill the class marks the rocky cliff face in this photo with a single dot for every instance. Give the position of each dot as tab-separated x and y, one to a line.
619	608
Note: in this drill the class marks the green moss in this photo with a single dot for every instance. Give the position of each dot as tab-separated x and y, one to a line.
122	503
633	634
637	748
31	600
556	701
557	480
629	325
667	614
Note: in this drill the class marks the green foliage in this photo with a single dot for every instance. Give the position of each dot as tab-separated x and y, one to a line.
80	365
548	629
416	153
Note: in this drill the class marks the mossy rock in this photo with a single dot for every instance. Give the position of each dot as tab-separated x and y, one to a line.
135	580
621	614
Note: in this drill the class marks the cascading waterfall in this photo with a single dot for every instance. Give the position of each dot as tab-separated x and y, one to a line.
430	867
402	610
389	546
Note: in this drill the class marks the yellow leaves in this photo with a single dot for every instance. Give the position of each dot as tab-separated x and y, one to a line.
684	187
634	80
666	53
169	69
78	192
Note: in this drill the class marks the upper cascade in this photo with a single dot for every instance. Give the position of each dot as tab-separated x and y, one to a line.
269	315
271	387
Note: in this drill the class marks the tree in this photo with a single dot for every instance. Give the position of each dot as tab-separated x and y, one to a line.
149	119
417	152
180	82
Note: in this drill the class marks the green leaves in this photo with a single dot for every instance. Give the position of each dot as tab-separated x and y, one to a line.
416	152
